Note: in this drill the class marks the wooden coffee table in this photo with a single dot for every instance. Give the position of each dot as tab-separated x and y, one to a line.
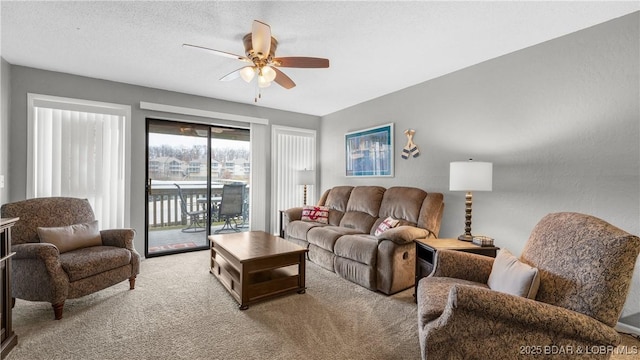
255	265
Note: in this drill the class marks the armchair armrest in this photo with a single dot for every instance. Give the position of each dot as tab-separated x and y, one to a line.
53	280
118	237
123	238
39	251
462	265
529	314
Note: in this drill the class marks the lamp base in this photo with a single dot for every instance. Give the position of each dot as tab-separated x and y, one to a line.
465	237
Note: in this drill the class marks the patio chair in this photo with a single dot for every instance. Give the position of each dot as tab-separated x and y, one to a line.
196	219
231	206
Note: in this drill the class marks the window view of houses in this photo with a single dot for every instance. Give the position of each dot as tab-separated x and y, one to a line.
177	163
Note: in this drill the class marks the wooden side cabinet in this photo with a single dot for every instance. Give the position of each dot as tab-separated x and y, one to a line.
7	337
426	253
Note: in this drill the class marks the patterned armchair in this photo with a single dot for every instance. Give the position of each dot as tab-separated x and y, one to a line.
42	271
585	267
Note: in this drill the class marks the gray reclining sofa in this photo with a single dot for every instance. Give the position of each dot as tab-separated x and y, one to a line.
346	244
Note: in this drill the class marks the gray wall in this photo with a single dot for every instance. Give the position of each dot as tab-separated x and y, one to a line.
5	79
559	121
24	80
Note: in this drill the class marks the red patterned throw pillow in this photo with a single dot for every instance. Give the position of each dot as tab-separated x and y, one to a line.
319	214
385	225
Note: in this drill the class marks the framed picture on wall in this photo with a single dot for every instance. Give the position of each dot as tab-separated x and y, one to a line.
369	152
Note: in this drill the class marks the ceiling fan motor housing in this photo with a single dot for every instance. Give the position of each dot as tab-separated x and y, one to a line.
251	54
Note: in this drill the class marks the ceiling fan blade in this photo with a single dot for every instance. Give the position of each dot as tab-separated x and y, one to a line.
301	62
283	80
232	75
261	38
217	52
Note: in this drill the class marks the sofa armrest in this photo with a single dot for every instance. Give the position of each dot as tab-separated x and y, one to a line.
292	214
462	265
529	314
118	237
403	234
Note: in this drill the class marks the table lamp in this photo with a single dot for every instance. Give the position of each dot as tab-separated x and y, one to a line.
470	176
306	177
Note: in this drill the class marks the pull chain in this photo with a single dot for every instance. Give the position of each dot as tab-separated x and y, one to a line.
258	94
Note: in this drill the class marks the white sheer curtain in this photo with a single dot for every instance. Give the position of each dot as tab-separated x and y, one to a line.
79	151
258	194
293	149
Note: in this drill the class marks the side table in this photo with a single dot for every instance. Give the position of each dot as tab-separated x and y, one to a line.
8	339
426	253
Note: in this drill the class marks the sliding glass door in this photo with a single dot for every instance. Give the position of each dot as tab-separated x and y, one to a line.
197	184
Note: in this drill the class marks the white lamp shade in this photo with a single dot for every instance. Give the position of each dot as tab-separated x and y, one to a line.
306	177
470	176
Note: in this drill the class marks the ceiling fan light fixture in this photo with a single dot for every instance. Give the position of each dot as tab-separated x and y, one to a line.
263	82
247	73
268	73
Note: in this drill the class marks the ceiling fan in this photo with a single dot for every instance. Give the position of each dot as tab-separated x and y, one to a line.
260	48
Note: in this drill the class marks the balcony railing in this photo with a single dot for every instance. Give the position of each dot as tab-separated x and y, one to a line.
164	202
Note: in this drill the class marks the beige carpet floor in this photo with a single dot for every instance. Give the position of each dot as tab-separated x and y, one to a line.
180	311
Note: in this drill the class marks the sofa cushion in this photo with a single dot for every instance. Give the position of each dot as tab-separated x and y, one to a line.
336	200
511	276
298	229
402	203
361	248
335	216
325	237
359	221
86	262
318	214
68	238
433	293
366	199
338	197
431	212
362	208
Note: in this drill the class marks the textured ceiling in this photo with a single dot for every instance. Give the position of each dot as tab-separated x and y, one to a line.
375	48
